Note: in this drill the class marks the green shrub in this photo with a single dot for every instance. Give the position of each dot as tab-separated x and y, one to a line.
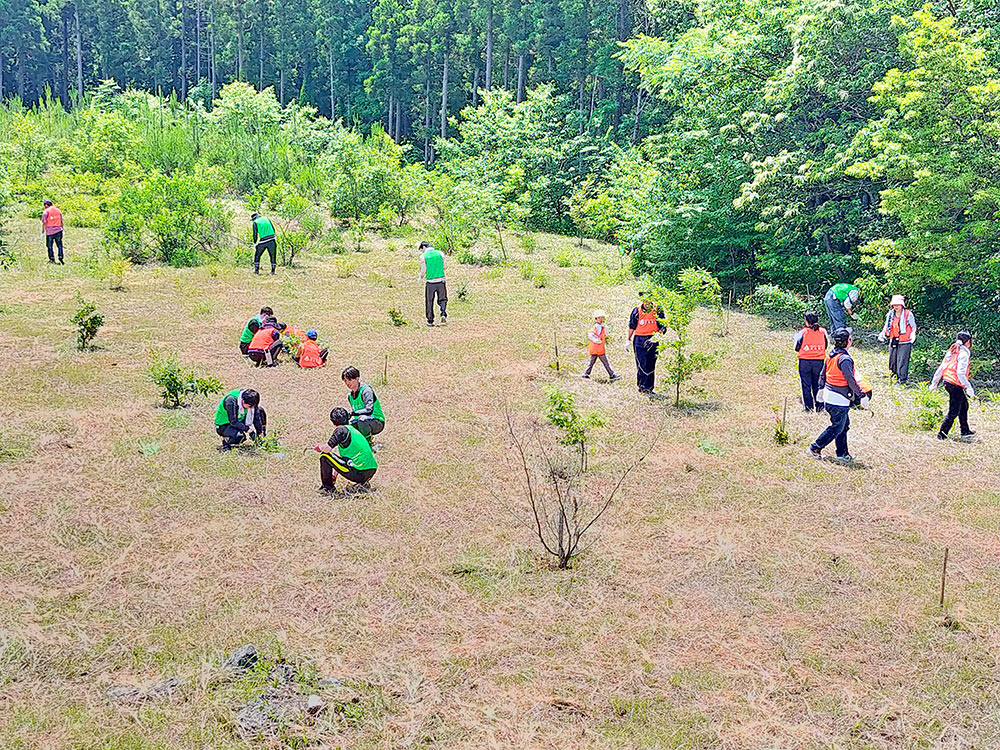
396	317
930	407
87	321
780	306
574	426
567	258
541	278
463	292
607	276
769	364
527	269
177	383
528	243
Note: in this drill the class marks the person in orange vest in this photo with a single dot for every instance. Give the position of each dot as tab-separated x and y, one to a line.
811	344
265	344
840	392
643	325
595	345
901	330
954	371
52	230
309	353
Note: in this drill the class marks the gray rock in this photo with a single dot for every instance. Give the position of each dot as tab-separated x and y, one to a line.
274	709
315	705
133	694
328	683
242	659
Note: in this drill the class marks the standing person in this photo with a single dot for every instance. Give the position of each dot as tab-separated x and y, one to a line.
252	326
954	371
840	391
595	346
355	460
901	329
238	416
841	301
52	230
263	239
265	344
811	344
432	269
366	411
643	324
309	354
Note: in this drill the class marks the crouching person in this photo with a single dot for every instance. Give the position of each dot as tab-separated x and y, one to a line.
240	416
354	459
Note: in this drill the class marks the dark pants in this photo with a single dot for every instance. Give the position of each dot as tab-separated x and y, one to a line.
368	426
434	289
233	436
809	373
329	463
263	358
835	310
899	359
958	407
604	361
645	362
54	239
244	347
271	246
840	423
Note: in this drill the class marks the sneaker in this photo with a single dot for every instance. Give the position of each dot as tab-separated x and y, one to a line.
444	320
62	262
430	324
942	436
330	491
968	434
613	378
848	459
585	376
377	447
814	453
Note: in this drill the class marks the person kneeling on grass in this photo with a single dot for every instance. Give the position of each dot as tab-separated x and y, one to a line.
253	325
238	416
354	460
366	411
840	391
266	344
309	353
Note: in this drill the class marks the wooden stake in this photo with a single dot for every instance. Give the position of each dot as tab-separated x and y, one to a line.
944	573
784	415
385	371
555	341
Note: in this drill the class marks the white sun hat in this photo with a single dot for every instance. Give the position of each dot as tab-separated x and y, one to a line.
897	299
598	313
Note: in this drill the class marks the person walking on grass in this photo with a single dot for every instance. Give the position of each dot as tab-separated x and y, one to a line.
811	344
432	270
239	416
264	239
901	330
366	412
354	460
840	392
840	301
954	371
595	345
253	325
643	325
52	230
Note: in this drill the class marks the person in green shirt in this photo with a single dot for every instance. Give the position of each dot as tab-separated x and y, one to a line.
841	301
263	239
253	325
366	411
239	416
432	269
354	459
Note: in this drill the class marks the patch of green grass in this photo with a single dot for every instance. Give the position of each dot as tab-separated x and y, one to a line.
14	447
175	419
653	723
484	576
709	447
769	363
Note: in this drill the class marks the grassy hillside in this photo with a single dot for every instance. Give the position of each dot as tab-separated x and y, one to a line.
737	595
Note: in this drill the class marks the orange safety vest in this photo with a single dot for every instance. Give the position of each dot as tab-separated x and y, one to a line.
813	344
950	372
647	323
293	331
263	339
894	333
309	354
834	375
596	348
53	217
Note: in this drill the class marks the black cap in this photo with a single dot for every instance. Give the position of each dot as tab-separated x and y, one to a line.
841	336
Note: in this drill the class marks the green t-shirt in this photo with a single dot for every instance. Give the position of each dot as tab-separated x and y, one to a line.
264	228
359	450
434	261
841	291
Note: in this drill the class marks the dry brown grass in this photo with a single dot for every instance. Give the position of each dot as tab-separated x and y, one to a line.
742	597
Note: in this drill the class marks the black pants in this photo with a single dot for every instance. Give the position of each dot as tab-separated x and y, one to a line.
645	362
244	347
840	423
329	463
54	239
260	357
232	436
899	359
958	407
368	426
809	372
434	289
271	245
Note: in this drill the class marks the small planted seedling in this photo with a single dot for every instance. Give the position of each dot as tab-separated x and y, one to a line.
87	321
396	317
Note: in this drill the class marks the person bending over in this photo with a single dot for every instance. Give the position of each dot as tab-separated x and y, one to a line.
354	459
239	416
266	344
253	325
366	411
264	241
309	354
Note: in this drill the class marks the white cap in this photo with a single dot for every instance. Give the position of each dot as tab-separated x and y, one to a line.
600	313
897	299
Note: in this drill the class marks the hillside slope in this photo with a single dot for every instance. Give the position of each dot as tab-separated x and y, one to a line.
738	595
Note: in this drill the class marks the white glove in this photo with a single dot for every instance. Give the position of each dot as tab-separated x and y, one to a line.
970	392
854	316
881	338
864	402
628	345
